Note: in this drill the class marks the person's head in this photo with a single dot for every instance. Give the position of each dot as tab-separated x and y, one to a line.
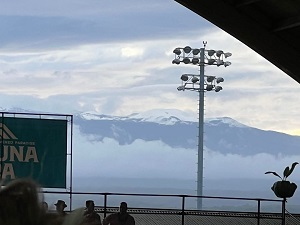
19	203
123	207
90	205
60	205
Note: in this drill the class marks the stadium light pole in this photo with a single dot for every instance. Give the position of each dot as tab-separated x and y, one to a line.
200	83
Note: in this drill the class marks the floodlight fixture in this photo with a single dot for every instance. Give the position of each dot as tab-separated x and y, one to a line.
181	88
177	51
210	79
195	61
176	61
227	54
218	88
211	61
219	53
189	55
219	80
196	51
209	87
211	52
227	63
220	62
184	77
187	49
195	79
186	60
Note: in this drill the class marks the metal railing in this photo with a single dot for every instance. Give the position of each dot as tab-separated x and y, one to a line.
257	215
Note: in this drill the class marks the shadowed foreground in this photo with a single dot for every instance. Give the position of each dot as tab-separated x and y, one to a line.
174	217
20	204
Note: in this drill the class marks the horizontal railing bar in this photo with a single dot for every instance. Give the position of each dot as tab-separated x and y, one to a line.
36	114
160	195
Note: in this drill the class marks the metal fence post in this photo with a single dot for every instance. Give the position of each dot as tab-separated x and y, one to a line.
183	209
105	205
283	211
258	212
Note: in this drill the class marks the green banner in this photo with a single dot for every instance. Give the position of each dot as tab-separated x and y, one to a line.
35	148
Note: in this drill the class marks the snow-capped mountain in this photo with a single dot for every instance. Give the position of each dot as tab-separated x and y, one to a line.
180	130
165	117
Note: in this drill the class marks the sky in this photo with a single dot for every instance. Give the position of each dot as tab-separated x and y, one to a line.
115	57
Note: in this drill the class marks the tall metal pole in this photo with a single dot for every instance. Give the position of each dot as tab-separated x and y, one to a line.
187	55
201	131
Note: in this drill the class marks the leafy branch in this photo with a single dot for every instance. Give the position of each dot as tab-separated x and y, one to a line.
287	172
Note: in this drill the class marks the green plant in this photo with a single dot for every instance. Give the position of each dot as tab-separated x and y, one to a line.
284	188
287	172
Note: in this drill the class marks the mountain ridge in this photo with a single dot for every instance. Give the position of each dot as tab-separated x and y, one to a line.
222	134
164	118
179	129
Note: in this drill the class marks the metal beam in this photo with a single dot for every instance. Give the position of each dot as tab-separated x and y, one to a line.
245	2
288	24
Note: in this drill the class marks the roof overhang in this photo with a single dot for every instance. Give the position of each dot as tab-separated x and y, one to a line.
269	27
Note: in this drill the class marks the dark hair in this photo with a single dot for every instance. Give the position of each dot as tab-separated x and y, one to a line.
123	204
20	203
88	202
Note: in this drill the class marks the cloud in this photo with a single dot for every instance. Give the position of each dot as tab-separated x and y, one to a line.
141	160
236	166
77	8
117	60
51	26
156	160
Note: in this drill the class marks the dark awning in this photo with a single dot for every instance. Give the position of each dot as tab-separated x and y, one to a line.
269	27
